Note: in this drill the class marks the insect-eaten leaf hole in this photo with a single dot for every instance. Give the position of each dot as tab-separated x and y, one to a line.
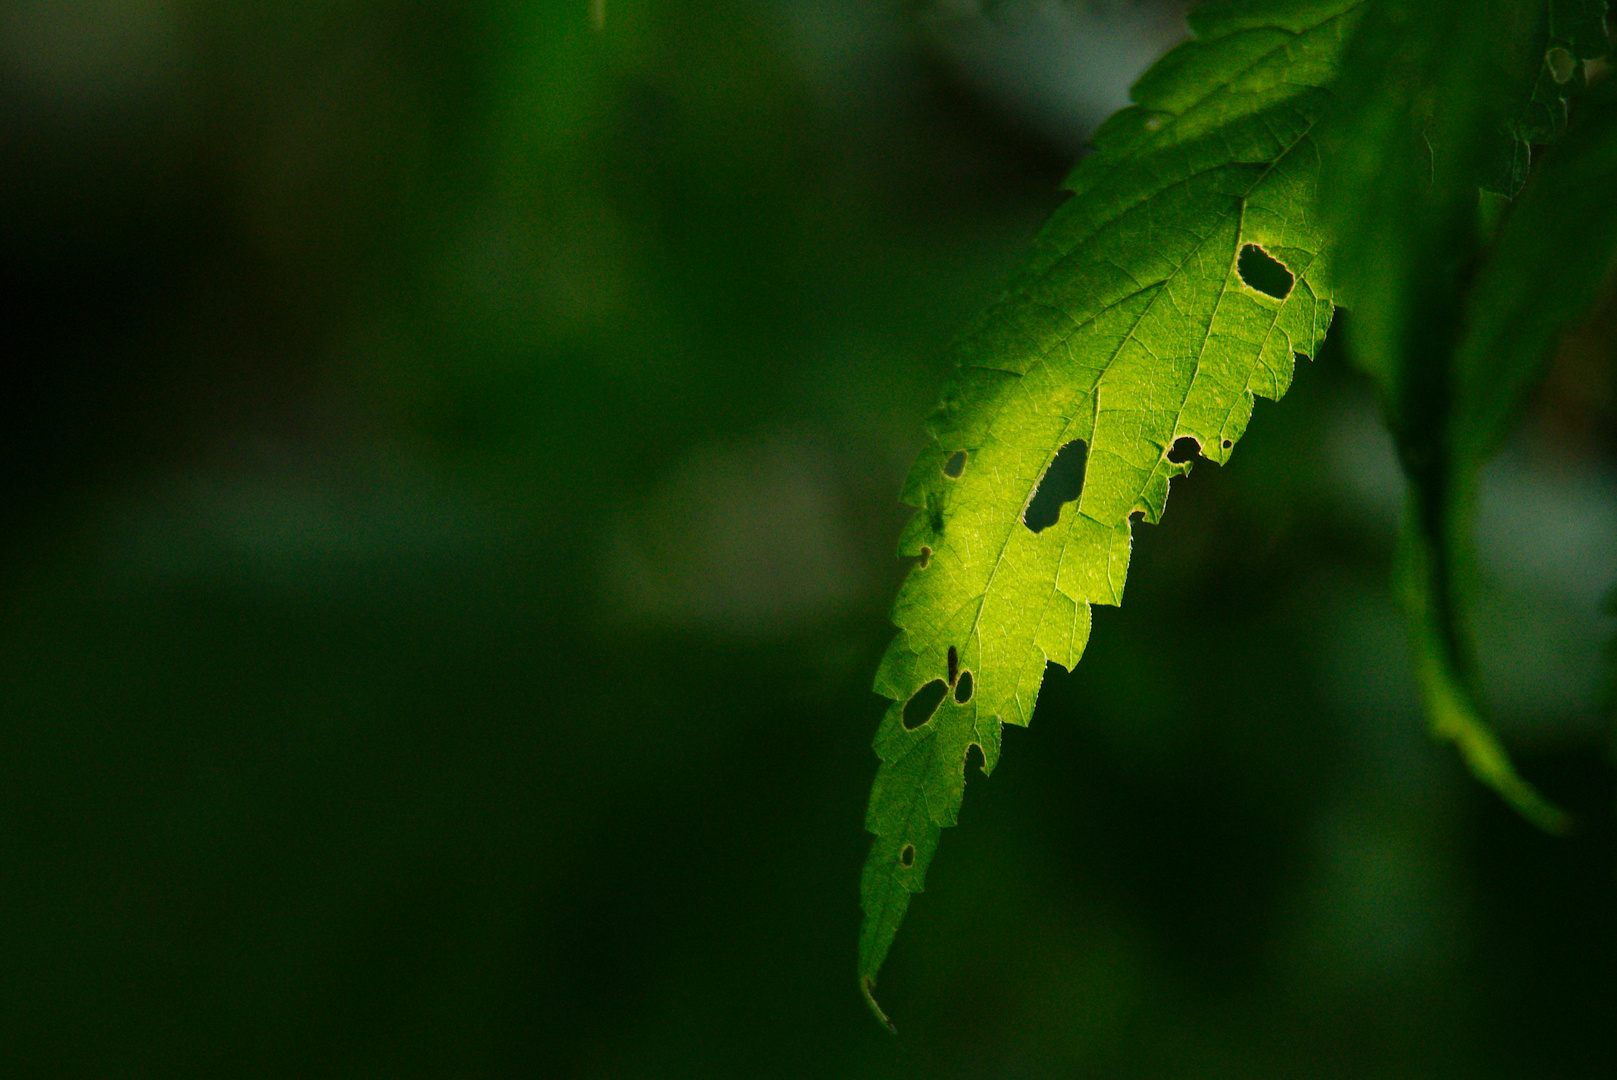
974	751
1227	443
1183	449
919	708
1264	272
955	465
1061	483
907	856
962	688
926	557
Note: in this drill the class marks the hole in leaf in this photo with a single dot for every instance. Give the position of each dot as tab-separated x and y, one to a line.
919	709
1264	272
955	465
1061	483
962	689
907	856
1562	64
926	557
1228	443
954	665
973	751
1183	450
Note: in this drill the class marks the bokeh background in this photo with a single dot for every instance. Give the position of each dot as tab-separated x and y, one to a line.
450	469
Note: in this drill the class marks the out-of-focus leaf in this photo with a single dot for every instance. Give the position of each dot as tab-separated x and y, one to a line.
1554	251
1452	333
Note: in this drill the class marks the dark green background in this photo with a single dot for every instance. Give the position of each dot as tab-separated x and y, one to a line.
450	460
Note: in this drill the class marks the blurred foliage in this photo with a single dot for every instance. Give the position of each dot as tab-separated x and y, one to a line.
450	459
1457	313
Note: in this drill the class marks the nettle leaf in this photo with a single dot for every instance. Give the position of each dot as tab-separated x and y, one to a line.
1561	36
1178	281
1544	271
1452	321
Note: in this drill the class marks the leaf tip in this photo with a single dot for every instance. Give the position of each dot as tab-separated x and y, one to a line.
1455	716
867	986
1536	809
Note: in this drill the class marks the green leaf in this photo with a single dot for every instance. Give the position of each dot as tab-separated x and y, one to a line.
1556	247
1129	327
1563	35
1553	252
1453	322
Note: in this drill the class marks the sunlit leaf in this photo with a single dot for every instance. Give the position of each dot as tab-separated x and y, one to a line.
1129	329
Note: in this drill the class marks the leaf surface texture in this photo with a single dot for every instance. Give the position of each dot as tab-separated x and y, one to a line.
1129	327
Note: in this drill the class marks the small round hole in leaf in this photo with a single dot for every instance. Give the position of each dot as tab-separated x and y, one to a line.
955	465
907	856
1228	443
919	708
962	689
